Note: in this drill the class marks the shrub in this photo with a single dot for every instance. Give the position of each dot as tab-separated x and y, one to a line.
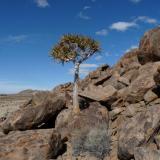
95	142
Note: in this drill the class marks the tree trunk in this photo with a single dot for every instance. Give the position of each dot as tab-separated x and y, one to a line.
76	108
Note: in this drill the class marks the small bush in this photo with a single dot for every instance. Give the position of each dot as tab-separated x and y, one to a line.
96	142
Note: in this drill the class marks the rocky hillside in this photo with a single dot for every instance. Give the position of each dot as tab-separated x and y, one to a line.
119	118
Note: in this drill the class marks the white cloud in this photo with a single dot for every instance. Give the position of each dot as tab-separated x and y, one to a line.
102	32
131	48
82	72
135	1
99	57
88	65
42	3
122	26
84	69
15	39
146	19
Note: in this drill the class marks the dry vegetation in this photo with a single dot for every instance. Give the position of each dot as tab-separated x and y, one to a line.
10	103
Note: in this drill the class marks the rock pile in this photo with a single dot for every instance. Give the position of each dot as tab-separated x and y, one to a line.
119	118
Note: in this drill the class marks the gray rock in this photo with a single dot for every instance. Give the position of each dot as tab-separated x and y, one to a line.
149	46
143	83
150	96
34	116
30	145
138	131
99	93
144	153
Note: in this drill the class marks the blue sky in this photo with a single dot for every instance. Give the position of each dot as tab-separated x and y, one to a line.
30	28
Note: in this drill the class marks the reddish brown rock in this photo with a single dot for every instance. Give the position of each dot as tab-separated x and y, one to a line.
33	116
30	145
144	82
99	93
138	131
145	153
128	62
87	132
150	46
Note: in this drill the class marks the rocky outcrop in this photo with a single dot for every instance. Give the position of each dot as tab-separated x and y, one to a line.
99	93
149	46
137	131
30	145
35	116
119	117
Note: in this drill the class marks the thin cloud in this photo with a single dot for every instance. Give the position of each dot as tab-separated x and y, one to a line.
84	69
98	58
42	3
86	7
82	72
135	1
88	65
122	26
131	48
146	19
13	87
107	54
82	14
15	38
102	32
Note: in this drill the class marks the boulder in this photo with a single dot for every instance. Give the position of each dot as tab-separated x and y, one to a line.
114	81
144	82
128	62
157	140
132	109
30	145
86	132
150	46
99	93
96	77
138	131
35	116
145	153
150	96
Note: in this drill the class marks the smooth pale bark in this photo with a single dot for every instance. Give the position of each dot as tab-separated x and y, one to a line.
76	108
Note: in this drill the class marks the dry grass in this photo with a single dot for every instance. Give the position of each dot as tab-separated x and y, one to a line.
10	103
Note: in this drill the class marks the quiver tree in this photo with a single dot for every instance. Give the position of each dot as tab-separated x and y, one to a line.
75	48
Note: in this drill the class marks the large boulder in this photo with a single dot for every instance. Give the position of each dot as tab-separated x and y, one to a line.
86	132
138	131
30	145
99	93
144	82
96	77
33	116
150	46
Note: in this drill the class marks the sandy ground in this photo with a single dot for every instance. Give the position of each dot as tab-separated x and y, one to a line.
11	103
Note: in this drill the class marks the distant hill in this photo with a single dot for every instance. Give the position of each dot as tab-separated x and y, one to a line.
27	91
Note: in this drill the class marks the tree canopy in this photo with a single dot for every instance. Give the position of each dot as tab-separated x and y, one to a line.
76	48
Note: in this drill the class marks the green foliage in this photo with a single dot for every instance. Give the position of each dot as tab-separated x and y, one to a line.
96	142
74	48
